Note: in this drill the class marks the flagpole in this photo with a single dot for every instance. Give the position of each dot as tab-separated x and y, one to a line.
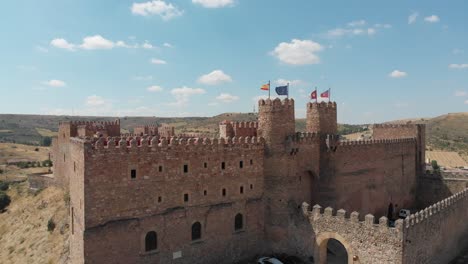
269	87
316	95
287	91
329	94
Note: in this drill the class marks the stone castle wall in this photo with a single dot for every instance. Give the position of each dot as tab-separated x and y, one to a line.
367	176
122	209
437	233
238	129
322	117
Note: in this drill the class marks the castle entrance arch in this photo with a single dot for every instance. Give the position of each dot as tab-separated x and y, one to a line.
333	248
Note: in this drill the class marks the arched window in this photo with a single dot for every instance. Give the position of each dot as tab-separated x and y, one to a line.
151	241
196	231
238	222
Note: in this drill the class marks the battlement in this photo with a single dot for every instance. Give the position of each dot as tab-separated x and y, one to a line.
407	125
147	125
375	141
304	137
321	105
275	104
340	218
439	207
157	143
104	123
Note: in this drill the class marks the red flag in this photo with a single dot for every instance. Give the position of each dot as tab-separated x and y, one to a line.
325	94
313	95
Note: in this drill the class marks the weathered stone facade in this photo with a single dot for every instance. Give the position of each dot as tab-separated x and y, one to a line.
222	200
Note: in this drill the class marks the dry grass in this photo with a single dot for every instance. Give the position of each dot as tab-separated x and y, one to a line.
19	151
46	132
23	227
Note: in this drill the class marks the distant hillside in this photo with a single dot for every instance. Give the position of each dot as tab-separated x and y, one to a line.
446	132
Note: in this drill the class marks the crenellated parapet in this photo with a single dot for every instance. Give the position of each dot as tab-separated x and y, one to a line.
328	218
275	104
440	207
157	144
375	141
304	138
238	129
322	105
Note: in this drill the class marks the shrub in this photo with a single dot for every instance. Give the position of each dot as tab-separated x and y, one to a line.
36	149
46	141
3	186
1	171
4	201
50	225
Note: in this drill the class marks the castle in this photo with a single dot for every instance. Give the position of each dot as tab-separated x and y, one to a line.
154	197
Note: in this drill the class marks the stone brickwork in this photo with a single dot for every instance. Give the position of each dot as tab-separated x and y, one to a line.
395	131
322	117
365	241
437	233
124	186
368	175
237	129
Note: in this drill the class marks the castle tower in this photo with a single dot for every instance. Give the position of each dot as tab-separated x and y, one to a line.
321	118
275	122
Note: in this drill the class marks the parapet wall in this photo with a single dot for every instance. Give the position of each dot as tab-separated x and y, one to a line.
238	129
365	241
438	233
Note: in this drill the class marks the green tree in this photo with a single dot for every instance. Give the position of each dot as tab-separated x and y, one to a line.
46	141
4	201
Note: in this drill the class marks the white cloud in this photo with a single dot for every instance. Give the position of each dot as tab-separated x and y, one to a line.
167	45
298	52
458	66
95	100
182	95
432	19
154	88
398	74
356	28
96	42
62	44
357	23
412	18
466	102
147	45
227	98
291	82
214	3
214	78
460	93
158	61
165	10
55	83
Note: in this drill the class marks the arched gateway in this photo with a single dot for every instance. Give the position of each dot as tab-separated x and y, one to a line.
322	248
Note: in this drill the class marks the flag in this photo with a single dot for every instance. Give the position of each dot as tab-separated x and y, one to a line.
282	90
325	94
265	87
313	95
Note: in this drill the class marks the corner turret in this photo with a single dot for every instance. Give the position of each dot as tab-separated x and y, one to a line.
321	118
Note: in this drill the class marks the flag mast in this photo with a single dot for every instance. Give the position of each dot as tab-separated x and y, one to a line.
287	91
269	87
329	94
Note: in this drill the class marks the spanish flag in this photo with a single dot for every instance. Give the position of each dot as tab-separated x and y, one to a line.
265	87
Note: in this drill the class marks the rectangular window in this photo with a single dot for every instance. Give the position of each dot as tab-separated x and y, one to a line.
251	186
159	199
160	168
74	166
224	192
205	192
241	189
205	165
185	168
251	162
223	165
241	164
133	174
186	197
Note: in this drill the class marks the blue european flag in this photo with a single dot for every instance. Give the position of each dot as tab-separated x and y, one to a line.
282	90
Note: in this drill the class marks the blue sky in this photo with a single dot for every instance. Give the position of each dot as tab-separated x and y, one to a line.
383	61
